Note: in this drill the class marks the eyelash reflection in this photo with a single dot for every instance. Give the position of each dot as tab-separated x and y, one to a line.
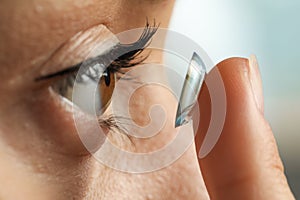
130	57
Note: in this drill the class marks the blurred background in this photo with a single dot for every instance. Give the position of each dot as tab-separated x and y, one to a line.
270	29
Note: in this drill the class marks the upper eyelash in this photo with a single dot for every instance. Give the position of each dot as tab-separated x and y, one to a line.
129	56
129	52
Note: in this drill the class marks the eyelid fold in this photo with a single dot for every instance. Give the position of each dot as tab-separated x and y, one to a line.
83	45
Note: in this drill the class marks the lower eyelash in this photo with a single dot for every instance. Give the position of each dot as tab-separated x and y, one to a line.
115	125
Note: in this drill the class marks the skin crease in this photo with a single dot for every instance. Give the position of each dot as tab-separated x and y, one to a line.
41	156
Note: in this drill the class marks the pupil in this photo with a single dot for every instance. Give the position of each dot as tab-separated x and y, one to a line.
107	77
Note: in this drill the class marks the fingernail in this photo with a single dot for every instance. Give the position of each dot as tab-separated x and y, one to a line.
256	83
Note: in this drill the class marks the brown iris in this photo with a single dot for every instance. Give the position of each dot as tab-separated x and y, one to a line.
106	88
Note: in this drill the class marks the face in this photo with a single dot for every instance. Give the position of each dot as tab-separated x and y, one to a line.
42	155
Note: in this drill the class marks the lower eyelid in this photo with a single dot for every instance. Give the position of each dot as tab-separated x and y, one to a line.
63	109
68	107
56	118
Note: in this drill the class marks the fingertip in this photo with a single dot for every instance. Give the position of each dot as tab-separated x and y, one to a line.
243	159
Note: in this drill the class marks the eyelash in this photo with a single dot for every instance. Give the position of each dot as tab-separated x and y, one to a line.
130	57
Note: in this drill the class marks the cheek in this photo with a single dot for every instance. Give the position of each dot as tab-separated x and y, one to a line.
152	109
149	105
180	179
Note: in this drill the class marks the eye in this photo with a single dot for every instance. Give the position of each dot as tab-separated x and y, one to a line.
100	72
85	84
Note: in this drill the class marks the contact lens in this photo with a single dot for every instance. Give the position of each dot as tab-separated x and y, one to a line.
191	88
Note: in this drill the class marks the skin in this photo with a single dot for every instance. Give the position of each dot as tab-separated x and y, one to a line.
41	155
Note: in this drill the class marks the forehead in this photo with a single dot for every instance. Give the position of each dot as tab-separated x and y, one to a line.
32	29
27	27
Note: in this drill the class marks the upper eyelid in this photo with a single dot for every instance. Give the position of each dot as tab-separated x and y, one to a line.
103	58
134	48
73	68
78	48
